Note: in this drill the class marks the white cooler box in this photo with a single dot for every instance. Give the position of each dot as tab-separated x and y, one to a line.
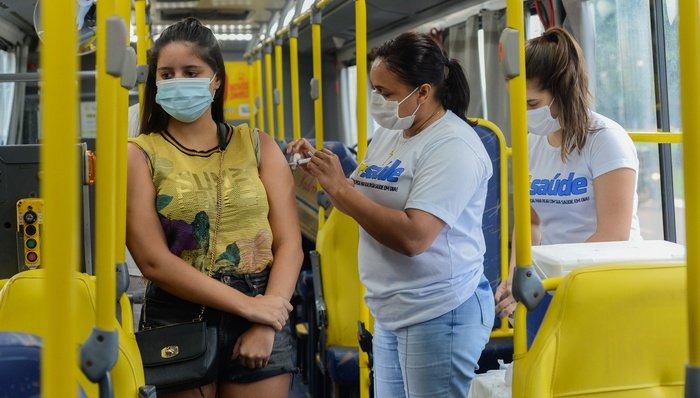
552	261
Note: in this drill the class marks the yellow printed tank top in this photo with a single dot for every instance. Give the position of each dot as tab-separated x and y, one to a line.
186	184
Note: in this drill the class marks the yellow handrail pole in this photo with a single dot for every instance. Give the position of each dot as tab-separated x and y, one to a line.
251	93
308	13
656	137
269	108
259	91
294	75
279	89
105	190
504	330
140	14
120	140
521	205
317	92
59	187
689	43
361	62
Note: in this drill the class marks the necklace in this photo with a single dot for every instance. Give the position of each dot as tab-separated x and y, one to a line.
397	145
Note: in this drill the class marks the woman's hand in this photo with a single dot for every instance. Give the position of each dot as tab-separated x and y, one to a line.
254	347
505	303
269	310
325	166
300	149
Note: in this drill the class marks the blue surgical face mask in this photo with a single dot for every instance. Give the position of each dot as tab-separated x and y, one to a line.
185	99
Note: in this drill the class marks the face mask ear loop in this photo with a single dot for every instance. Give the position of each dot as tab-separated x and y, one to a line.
406	97
412	92
210	81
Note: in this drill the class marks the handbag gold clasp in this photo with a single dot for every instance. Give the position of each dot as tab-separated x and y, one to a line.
169	351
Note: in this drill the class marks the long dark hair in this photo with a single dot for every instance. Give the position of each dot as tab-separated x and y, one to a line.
416	58
555	62
154	118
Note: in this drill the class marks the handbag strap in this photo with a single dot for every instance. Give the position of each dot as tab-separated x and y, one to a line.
219	206
222	131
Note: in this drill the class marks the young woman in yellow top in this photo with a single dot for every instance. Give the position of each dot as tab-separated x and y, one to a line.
212	227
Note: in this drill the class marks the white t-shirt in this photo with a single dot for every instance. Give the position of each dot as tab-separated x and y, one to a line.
562	194
444	171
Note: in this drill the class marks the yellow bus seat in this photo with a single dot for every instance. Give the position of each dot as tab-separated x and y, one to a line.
21	310
336	283
611	331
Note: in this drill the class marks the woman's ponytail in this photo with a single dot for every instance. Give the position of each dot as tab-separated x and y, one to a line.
455	90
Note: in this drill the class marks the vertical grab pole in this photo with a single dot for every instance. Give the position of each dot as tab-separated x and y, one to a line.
259	90
521	206
317	92
294	72
141	45
269	108
120	139
251	92
59	186
279	89
105	190
689	42
361	61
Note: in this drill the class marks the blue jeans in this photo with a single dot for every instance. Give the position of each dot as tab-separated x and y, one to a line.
436	358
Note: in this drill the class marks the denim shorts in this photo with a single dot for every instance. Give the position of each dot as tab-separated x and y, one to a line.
162	308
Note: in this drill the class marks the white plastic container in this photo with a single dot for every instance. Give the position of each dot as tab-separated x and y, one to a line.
558	260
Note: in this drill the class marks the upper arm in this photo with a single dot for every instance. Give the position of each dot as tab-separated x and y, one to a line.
144	234
447	179
279	186
614	201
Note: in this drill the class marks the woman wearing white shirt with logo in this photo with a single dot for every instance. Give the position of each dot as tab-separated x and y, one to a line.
418	197
583	166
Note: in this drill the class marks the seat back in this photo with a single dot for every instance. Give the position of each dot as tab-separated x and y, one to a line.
492	138
337	247
21	310
611	331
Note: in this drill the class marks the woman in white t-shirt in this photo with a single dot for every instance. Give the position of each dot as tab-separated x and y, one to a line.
418	196
583	166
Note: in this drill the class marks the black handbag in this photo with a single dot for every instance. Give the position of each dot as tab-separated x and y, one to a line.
179	357
183	356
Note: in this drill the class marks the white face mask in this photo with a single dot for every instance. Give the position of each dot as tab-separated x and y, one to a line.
386	113
541	122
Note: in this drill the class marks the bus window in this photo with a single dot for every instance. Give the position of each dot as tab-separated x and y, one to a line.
348	105
8	64
672	71
622	83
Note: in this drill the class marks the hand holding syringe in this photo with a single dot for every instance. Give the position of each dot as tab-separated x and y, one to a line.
298	161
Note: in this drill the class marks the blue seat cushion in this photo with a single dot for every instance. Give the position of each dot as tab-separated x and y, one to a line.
20	361
342	364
